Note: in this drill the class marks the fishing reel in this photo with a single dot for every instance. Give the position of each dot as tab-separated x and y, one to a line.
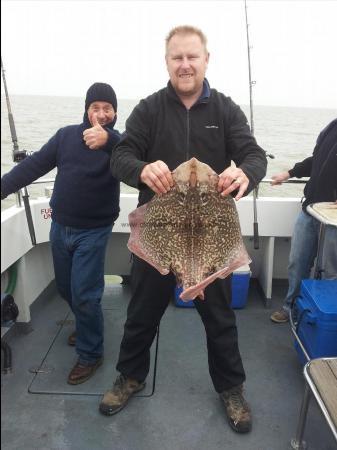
19	155
9	310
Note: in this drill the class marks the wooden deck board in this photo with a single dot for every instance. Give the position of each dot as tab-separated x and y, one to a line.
323	373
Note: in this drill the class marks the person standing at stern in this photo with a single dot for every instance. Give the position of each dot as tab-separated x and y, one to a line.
321	167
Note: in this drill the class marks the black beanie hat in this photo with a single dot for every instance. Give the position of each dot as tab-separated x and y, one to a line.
101	92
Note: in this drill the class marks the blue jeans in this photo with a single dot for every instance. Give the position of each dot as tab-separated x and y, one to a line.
78	256
303	251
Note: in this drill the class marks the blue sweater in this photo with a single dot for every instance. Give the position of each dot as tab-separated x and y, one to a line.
85	193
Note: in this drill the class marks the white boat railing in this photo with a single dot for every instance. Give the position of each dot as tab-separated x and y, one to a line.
52	181
264	180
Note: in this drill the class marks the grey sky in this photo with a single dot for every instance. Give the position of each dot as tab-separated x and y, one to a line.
61	47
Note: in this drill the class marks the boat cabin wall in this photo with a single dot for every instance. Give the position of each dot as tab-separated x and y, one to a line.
276	219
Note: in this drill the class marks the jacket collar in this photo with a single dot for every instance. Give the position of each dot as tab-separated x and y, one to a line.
205	94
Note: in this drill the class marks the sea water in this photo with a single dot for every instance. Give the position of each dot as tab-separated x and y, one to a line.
287	133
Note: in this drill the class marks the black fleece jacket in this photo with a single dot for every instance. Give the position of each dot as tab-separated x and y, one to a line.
85	193
214	130
321	167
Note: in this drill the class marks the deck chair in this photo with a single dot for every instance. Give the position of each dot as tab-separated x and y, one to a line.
320	381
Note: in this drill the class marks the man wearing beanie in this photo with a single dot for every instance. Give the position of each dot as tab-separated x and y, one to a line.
85	205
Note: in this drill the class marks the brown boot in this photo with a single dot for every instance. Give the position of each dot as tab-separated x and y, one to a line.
72	339
81	373
281	316
237	409
115	399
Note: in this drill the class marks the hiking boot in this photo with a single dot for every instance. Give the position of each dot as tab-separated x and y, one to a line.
72	339
81	373
281	316
116	398
237	409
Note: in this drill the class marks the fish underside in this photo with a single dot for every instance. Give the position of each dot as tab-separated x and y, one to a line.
191	231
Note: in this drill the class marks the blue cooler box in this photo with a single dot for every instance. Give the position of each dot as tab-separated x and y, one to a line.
240	285
178	302
316	310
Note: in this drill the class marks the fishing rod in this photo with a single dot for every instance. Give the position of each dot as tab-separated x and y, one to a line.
251	84
18	155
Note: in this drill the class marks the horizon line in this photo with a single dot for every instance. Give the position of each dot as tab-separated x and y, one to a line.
138	99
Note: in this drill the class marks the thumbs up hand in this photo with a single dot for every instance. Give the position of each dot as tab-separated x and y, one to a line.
95	137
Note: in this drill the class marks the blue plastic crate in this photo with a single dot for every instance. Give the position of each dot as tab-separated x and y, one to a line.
240	285
316	311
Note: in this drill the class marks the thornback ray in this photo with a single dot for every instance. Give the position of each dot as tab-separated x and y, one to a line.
191	230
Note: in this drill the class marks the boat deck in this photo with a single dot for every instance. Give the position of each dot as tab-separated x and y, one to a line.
41	411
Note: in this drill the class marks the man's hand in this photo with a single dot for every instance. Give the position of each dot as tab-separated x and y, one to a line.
95	137
157	176
279	178
231	179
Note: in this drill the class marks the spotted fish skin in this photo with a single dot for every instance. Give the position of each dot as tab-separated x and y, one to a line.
191	230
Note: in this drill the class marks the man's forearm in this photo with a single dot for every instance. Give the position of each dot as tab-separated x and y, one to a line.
126	167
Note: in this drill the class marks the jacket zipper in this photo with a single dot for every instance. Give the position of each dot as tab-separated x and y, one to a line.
187	134
188	130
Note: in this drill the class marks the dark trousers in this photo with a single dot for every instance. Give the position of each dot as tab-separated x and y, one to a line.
150	297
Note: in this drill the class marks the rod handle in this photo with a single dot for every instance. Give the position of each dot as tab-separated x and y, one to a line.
256	235
30	223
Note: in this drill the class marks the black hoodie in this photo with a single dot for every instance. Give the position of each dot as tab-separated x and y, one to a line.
321	167
214	130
